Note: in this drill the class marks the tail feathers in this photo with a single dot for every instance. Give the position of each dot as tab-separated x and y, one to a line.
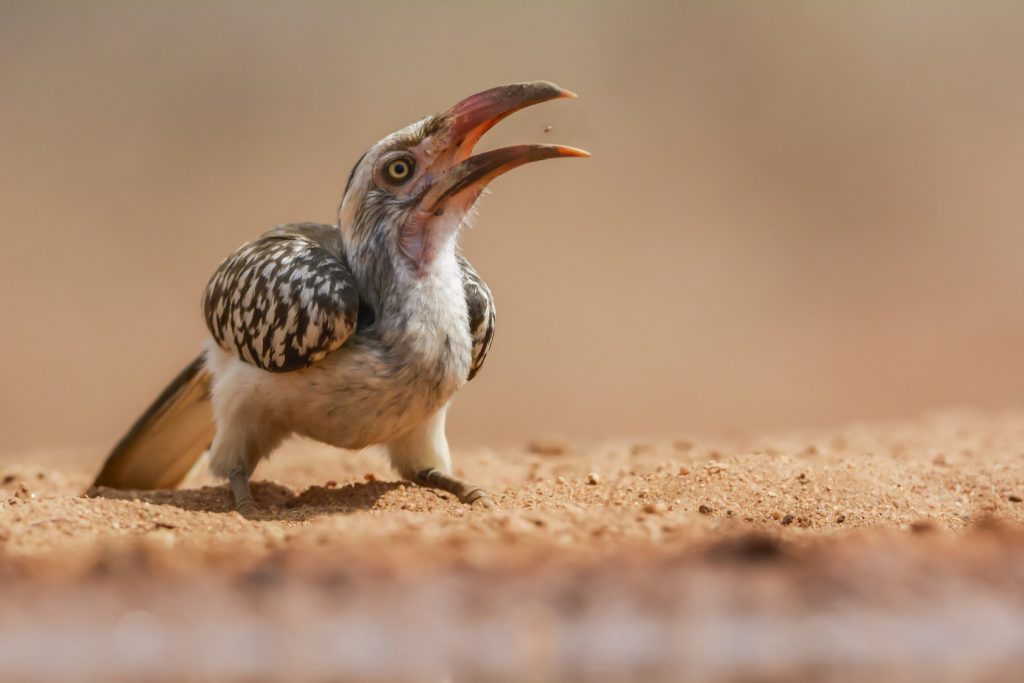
163	445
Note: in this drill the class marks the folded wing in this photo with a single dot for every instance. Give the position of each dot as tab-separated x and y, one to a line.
284	300
480	303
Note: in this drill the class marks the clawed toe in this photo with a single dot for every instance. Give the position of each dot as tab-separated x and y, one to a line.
478	498
466	493
248	508
484	502
238	481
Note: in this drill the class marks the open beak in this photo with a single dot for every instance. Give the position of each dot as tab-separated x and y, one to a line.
469	120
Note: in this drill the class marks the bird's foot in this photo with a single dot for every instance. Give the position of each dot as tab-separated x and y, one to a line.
466	493
238	480
247	508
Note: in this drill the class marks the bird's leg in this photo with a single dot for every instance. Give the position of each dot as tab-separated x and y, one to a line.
238	479
236	450
421	455
466	492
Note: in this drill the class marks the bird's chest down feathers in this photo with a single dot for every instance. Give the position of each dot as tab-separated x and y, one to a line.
386	379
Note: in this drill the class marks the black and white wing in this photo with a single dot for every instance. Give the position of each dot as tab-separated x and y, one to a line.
481	314
284	300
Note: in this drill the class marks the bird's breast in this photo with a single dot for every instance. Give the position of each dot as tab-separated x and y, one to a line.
388	377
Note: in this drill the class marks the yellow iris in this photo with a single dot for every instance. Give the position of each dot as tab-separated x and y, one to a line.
399	169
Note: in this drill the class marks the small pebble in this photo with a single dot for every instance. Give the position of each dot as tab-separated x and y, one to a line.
593	479
787	520
370	476
922	526
547	129
840	519
550	446
704	510
1013	498
683	470
654	508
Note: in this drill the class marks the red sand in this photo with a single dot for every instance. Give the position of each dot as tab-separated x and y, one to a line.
895	551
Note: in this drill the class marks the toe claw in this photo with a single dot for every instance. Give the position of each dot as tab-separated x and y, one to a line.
248	509
477	496
483	501
466	493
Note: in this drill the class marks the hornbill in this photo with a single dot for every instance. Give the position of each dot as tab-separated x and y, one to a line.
351	334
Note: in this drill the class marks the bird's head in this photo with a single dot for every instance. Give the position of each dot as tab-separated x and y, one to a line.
408	195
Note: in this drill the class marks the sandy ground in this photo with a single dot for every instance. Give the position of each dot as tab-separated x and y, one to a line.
891	550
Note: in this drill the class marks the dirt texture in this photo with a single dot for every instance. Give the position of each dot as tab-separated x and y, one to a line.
888	550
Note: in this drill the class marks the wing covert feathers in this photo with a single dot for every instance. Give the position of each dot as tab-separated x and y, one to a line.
284	300
480	303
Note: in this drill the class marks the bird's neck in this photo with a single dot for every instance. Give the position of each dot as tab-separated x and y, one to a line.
424	320
426	300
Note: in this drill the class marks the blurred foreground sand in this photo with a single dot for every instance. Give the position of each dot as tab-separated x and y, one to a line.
893	550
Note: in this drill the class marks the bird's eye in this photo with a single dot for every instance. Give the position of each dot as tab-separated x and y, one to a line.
398	170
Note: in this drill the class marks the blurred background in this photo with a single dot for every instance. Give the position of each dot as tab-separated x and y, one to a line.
796	214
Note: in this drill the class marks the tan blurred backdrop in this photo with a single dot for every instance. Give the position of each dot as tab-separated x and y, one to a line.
796	213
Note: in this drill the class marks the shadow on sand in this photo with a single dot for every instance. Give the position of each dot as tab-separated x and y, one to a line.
275	500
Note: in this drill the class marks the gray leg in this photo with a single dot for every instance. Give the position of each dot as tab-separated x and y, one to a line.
239	482
467	493
421	455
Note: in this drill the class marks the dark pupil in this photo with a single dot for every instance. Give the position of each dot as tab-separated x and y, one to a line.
398	169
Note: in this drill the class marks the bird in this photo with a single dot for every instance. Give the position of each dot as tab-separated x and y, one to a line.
353	334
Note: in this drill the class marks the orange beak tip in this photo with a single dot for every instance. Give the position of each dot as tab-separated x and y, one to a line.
572	152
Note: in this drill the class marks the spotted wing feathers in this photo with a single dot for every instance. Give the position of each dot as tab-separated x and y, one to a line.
284	300
481	314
